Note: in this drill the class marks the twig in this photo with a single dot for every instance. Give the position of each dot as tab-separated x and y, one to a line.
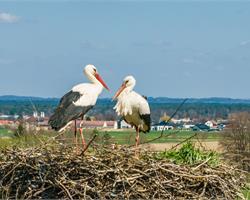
173	147
195	168
65	189
170	118
109	174
87	146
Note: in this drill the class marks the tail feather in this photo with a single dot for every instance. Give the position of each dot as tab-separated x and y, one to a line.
58	120
63	116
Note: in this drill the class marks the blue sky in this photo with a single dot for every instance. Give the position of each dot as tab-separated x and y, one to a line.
174	49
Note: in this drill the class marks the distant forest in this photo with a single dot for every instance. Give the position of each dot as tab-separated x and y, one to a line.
200	109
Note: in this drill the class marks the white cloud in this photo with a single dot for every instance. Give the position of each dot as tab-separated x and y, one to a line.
8	18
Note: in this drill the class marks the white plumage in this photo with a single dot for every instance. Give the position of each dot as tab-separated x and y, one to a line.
78	101
133	107
89	93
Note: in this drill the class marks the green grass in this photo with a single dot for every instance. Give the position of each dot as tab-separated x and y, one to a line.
8	139
5	132
126	137
119	137
23	141
246	189
246	193
190	155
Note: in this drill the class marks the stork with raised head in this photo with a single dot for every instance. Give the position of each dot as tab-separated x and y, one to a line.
78	101
133	107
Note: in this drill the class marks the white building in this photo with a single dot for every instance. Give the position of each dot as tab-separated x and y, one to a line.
97	124
179	121
188	126
42	115
35	114
211	124
162	126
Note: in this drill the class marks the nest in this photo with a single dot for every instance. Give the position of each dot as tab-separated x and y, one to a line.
57	172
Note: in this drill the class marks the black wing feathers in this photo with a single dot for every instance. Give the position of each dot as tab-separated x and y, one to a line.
67	111
147	120
68	98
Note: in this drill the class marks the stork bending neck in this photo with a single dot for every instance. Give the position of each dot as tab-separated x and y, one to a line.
126	91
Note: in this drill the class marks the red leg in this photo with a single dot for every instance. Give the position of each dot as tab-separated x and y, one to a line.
83	140
76	142
137	141
82	137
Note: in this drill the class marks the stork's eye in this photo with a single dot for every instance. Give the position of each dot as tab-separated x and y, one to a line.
94	70
126	81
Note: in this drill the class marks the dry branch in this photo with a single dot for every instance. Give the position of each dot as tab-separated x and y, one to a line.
53	172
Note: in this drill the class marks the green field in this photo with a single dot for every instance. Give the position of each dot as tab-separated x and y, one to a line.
5	132
118	137
128	137
167	137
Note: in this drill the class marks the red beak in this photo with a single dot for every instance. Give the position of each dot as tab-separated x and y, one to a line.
99	78
119	91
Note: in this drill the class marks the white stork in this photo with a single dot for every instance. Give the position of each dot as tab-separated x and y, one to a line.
78	101
133	107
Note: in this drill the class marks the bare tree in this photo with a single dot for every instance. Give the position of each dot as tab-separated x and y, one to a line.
237	139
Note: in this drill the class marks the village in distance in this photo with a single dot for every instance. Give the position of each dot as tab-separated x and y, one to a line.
205	115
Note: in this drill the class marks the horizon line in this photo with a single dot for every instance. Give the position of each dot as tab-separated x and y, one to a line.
212	97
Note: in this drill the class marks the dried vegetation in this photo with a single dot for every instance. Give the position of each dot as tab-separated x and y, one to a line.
54	171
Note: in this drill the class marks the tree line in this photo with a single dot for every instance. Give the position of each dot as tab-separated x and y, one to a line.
104	109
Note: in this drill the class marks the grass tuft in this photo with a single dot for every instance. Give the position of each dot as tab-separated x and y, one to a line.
189	154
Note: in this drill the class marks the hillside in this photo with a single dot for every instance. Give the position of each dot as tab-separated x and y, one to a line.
25	98
213	100
204	108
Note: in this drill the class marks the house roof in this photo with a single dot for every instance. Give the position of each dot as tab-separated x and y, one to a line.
31	120
44	123
5	122
95	123
202	126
